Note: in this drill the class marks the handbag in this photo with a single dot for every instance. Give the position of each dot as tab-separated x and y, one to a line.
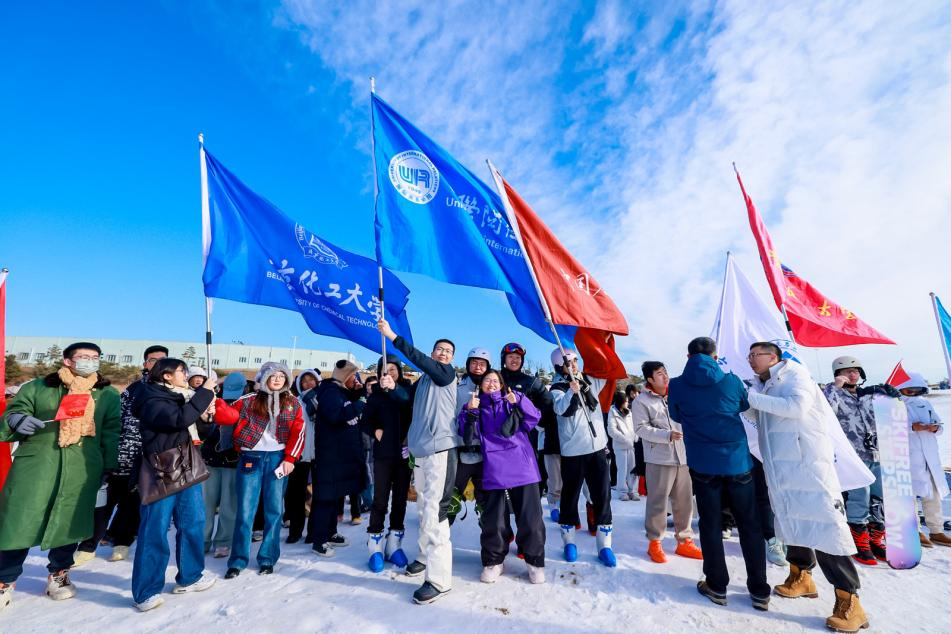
166	473
512	422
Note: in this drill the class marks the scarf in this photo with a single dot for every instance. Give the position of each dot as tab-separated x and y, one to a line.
188	393
72	429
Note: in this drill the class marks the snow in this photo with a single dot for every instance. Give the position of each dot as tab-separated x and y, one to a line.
311	594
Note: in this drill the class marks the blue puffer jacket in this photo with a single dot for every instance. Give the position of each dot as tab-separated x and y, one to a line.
707	403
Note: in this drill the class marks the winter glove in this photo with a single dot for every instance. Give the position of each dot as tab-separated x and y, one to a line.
25	424
468	432
405	452
884	390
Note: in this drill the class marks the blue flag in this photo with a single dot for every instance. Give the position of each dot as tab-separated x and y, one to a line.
257	255
437	218
945	324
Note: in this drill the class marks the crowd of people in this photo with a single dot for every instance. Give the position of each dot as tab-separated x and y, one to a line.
230	464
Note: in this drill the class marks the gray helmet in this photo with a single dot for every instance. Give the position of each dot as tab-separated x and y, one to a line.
846	362
480	353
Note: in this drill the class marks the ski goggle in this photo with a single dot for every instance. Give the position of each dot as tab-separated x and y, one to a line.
511	348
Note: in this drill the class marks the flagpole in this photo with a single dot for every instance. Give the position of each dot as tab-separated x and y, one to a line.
726	269
510	213
944	342
205	242
376	194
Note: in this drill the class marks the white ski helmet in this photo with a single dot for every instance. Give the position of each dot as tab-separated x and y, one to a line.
558	360
846	362
480	353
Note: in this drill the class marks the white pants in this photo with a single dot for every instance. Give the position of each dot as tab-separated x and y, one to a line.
435	549
934	514
626	481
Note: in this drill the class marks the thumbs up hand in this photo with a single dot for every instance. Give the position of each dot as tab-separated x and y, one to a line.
510	396
474	400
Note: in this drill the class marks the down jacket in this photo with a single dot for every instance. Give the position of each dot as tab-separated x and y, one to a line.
798	460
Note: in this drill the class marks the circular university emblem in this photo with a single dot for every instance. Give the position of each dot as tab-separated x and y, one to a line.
414	176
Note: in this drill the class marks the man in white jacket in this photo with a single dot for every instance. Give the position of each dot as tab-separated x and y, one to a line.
804	489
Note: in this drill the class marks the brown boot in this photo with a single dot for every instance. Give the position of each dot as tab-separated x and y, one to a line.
925	542
940	539
799	583
848	615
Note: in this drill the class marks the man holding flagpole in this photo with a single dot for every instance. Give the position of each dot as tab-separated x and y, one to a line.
432	441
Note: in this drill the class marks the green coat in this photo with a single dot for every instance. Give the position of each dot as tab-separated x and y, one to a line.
50	494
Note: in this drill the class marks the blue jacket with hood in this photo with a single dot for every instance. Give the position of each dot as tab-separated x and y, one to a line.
707	403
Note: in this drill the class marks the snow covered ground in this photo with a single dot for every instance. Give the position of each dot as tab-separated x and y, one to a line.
311	594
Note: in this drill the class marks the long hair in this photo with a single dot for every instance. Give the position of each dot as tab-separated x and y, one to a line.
620	401
498	374
259	404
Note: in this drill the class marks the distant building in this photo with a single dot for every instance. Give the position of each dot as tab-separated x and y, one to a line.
233	356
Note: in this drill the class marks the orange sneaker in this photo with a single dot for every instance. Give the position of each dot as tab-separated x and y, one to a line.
688	549
656	552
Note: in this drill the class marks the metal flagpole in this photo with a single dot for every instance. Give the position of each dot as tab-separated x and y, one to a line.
726	268
205	242
510	213
376	194
944	342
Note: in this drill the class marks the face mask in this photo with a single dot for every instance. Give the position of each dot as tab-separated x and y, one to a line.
85	367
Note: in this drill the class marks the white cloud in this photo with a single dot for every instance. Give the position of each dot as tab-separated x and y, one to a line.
625	124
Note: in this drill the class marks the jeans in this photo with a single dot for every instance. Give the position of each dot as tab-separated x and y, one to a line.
740	492
11	561
219	493
185	508
255	475
865	505
125	524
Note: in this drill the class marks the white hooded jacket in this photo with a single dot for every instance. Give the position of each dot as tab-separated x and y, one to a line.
799	460
923	445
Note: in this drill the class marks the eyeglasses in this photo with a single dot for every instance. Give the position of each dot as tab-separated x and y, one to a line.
86	357
753	355
443	350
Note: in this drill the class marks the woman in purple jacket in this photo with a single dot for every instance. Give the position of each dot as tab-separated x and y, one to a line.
502	419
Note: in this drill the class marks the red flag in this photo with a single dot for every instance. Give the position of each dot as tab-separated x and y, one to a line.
898	376
5	460
816	321
72	406
573	296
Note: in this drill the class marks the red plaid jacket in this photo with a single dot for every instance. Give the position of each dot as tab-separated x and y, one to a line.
249	427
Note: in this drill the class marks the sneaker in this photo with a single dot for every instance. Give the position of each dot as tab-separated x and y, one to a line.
232	573
760	603
222	551
415	568
257	536
6	594
688	549
633	496
151	603
624	497
656	552
82	557
266	570
356	521
59	587
324	550
776	552
427	593
119	553
727	533
491	574
293	539
536	574
338	541
717	597
205	581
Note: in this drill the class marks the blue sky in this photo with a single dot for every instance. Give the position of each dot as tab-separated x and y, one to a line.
617	121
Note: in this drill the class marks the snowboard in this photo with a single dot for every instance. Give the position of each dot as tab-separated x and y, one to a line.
902	546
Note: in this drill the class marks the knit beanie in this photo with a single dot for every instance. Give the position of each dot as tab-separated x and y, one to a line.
343	370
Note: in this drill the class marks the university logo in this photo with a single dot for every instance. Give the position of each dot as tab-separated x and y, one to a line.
314	248
789	348
414	176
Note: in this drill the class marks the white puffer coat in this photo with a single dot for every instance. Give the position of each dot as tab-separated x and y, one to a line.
923	445
799	461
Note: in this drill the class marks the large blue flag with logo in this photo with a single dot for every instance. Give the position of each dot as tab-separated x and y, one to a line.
437	218
944	323
257	255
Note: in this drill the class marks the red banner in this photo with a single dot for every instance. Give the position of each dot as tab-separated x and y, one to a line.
898	376
5	460
72	406
816	321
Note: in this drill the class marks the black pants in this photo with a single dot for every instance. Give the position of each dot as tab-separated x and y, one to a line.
592	469
839	570
390	477
466	472
125	524
740	492
11	561
763	507
529	519
295	498
323	520
355	503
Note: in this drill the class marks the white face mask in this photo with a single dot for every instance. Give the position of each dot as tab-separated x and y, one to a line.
85	367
